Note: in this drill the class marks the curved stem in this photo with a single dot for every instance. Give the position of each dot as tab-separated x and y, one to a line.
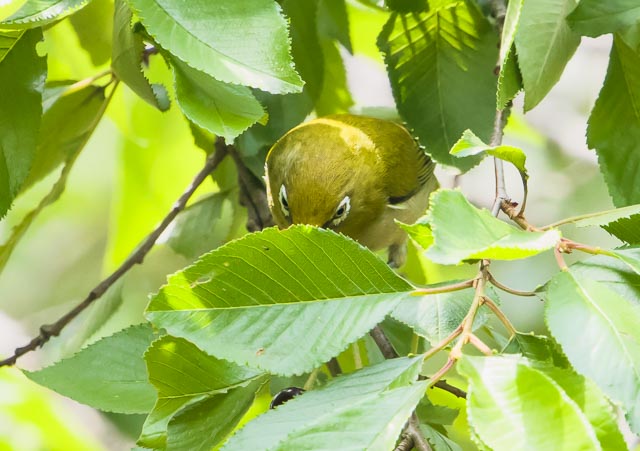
444	288
502	287
501	316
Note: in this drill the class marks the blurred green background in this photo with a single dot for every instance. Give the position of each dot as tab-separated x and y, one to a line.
138	162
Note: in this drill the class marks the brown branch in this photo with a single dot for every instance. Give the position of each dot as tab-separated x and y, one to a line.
253	196
442	384
383	343
412	437
136	257
334	367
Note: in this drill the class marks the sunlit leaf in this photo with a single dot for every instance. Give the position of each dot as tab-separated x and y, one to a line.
234	42
470	144
333	21
362	410
283	301
126	59
221	108
513	402
185	376
36	13
94	27
22	73
596	17
108	375
66	126
544	43
630	256
614	124
608	350
440	64
463	232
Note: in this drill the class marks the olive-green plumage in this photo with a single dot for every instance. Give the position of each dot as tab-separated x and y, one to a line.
353	174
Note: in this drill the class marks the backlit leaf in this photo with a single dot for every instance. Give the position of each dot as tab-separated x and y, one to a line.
235	42
440	64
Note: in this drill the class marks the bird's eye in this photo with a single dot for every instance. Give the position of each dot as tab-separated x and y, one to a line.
342	211
284	203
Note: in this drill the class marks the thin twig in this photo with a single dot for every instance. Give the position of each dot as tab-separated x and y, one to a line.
441	372
498	165
444	288
136	257
505	288
480	345
560	259
455	391
501	316
444	342
573	219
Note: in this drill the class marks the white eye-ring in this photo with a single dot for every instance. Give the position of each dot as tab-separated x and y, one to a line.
284	203
342	211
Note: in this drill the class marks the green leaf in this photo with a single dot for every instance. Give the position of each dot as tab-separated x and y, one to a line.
234	42
185	376
203	226
126	58
437	315
108	375
596	17
509	79
462	232
440	64
613	273
599	332
333	22
614	124
36	13
362	410
420	232
511	402
335	97
596	407
544	43
630	256
284	301
305	44
536	348
8	38
94	27
437	440
66	126
470	144
206	424
69	120
221	108
22	73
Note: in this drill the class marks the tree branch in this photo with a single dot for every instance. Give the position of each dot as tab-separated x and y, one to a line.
253	196
137	256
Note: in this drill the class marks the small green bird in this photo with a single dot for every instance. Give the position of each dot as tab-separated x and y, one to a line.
351	174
